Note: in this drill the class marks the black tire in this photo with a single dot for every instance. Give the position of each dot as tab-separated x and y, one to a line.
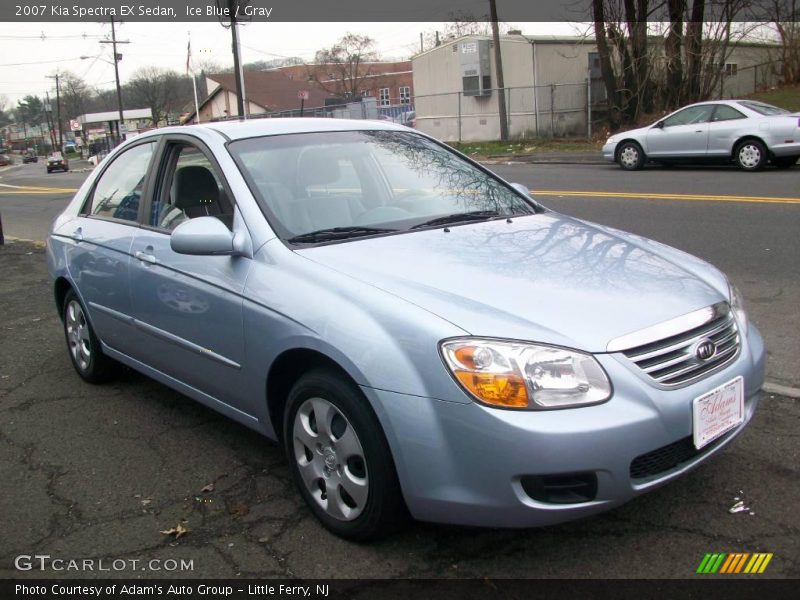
785	162
630	156
383	511
750	155
83	347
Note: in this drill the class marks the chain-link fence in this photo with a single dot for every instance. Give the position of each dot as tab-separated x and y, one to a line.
556	110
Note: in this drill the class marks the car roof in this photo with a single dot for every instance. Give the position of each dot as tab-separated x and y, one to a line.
236	130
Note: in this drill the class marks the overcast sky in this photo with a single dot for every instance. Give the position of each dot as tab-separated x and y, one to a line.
48	47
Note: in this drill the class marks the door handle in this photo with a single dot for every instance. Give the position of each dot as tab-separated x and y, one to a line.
77	235
144	257
699	131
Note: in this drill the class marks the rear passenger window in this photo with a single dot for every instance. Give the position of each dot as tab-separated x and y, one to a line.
118	192
726	113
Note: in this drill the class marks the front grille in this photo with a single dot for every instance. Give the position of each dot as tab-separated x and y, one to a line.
668	457
672	360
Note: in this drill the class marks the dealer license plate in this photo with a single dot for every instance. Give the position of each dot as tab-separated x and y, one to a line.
717	412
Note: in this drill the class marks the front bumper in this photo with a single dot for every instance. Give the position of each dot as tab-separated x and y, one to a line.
609	151
465	463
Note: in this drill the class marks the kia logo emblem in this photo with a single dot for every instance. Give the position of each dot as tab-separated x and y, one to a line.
705	350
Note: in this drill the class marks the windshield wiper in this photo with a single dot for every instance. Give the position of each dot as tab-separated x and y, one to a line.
465	217
336	233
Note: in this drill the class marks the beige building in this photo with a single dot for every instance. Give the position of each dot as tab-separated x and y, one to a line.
553	85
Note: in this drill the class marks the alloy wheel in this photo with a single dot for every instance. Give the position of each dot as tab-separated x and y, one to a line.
78	335
629	157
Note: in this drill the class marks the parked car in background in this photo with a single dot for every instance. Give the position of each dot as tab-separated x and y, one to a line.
30	157
749	133
421	336
56	162
5	160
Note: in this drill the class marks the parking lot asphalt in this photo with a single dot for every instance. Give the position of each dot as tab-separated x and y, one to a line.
100	472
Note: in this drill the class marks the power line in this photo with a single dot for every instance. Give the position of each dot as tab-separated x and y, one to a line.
40	62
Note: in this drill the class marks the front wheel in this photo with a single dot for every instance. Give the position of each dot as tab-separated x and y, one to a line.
85	350
630	156
340	459
785	162
751	155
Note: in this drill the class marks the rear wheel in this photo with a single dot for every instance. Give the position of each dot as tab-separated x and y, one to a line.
630	156
340	459
85	350
785	162
751	155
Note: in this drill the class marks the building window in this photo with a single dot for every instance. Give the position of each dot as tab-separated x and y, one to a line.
405	94
366	93
384	97
731	69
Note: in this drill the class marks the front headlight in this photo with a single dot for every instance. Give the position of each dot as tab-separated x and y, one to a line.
737	306
610	140
526	376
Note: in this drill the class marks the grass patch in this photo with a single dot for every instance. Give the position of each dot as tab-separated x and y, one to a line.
531	146
786	97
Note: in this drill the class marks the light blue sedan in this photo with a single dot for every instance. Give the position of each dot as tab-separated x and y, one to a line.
422	337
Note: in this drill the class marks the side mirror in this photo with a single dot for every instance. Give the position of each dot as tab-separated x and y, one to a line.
203	236
522	189
659	125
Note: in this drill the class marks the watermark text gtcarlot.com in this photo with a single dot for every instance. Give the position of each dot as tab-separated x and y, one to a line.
45	562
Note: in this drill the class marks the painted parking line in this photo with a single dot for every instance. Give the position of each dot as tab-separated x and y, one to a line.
658	196
7	189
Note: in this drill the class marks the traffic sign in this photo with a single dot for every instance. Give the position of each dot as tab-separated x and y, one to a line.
302	94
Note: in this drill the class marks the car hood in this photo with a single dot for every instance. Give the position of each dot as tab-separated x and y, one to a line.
545	277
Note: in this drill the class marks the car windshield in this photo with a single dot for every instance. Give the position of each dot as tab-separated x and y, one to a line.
354	183
764	109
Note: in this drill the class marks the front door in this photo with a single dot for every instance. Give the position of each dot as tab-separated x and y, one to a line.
189	308
683	134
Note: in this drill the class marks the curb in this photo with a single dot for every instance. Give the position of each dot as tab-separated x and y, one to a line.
781	390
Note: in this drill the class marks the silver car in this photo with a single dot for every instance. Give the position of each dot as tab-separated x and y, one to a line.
747	132
422	337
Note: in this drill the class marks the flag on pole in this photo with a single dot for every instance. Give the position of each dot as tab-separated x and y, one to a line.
189	55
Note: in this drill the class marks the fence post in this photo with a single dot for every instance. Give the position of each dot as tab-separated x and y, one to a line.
589	109
459	116
507	94
552	110
755	79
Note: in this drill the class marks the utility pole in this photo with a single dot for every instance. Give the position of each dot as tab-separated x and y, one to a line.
58	112
237	61
498	66
117	58
48	109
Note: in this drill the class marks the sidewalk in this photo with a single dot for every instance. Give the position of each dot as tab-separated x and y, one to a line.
552	158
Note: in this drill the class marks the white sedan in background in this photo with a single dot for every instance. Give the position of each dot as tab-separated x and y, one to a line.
747	132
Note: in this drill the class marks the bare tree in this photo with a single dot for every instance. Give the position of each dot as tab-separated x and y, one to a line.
647	66
785	19
75	95
342	68
163	92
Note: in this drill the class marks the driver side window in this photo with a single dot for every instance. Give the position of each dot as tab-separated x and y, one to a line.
690	116
191	189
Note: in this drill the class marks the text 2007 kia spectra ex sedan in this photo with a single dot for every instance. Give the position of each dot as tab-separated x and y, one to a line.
421	336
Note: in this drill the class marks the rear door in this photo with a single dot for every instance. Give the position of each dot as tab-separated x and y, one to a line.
189	308
101	239
683	134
